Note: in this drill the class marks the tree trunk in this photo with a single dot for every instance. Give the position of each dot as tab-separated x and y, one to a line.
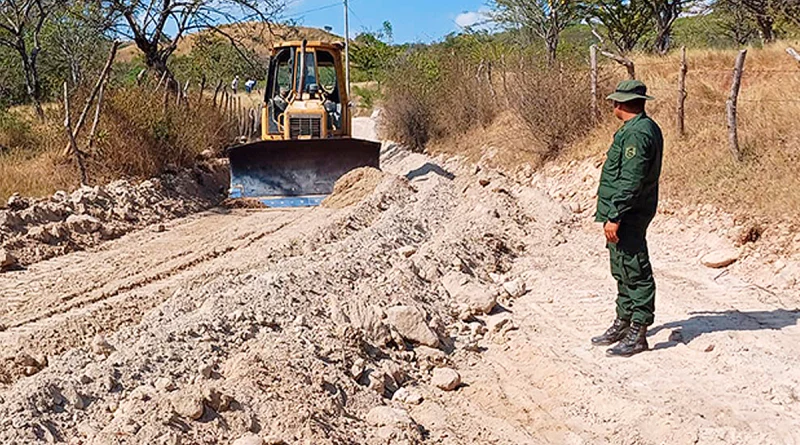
663	41
32	84
765	28
552	48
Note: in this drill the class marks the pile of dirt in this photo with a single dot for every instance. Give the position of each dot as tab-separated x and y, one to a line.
32	230
353	187
330	329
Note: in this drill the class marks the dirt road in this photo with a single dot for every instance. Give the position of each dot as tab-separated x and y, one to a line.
273	322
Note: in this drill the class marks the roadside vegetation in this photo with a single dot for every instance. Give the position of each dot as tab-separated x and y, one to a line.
506	99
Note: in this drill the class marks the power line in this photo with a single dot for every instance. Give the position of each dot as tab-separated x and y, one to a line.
321	8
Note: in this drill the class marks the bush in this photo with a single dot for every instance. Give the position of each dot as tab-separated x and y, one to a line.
554	105
434	94
15	133
439	93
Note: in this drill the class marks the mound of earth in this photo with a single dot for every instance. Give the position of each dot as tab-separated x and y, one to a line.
32	230
353	187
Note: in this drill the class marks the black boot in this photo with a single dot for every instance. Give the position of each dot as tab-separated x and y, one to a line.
615	333
633	343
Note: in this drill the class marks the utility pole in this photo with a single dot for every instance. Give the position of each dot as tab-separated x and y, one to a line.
347	45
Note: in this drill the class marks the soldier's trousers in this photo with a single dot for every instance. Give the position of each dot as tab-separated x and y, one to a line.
630	266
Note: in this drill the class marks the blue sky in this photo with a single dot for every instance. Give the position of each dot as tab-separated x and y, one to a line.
413	20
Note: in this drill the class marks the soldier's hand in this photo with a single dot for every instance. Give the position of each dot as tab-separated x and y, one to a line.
611	232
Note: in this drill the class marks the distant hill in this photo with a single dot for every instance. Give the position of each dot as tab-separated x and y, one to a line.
257	36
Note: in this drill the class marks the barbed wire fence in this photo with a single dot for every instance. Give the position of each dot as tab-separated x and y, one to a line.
736	73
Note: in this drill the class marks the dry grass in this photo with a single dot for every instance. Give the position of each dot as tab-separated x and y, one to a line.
699	167
137	139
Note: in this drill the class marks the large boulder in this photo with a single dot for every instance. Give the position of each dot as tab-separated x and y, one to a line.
410	323
7	261
478	298
83	224
446	379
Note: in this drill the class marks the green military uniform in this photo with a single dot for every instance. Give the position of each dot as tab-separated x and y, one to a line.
628	194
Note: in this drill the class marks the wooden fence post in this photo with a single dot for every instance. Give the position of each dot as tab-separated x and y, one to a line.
793	53
682	93
163	77
96	121
593	80
733	135
72	144
216	92
88	105
186	92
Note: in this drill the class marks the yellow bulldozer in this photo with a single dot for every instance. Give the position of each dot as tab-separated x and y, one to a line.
306	130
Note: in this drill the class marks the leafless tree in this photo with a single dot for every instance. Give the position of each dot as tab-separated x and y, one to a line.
665	13
21	23
147	22
539	19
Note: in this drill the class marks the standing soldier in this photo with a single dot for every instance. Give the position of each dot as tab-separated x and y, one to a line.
626	204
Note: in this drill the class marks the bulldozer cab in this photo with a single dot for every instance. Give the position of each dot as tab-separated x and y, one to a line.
306	131
307	76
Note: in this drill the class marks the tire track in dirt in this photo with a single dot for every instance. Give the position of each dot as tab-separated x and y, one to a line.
102	301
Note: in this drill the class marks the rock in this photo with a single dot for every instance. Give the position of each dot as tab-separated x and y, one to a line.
165	384
189	406
395	372
430	355
83	224
7	261
411	325
101	346
480	299
249	439
720	258
16	202
216	400
446	379
75	398
575	207
407	396
377	382
206	154
484	182
357	370
407	251
206	370
388	416
515	288
499	323
40	234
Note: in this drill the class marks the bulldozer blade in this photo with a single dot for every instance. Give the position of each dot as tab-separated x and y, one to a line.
296	173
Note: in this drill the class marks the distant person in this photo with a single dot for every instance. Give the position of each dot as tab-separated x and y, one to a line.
249	86
626	204
235	85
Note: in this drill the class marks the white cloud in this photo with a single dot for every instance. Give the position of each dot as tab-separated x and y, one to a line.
472	18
